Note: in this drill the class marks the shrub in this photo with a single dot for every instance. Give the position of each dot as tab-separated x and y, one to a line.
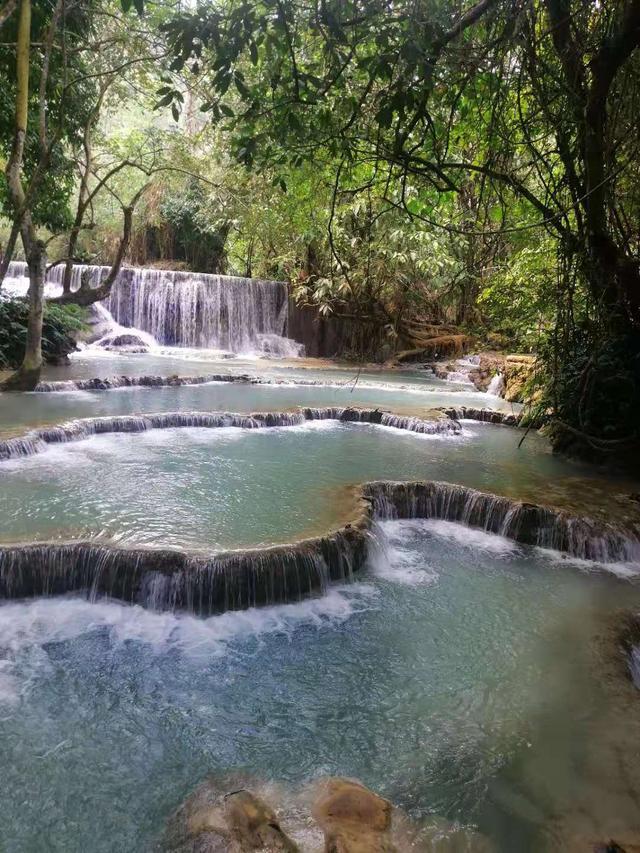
59	324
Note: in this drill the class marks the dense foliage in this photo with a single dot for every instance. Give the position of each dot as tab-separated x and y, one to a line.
512	127
61	323
410	166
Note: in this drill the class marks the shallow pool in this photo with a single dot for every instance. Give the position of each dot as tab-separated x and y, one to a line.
456	678
228	488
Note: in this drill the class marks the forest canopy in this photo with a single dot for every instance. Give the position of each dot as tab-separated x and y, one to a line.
404	164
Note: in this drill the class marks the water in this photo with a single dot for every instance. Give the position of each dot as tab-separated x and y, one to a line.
185	309
405	394
456	679
215	488
469	679
496	386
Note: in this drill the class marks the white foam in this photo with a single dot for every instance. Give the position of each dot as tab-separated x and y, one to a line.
470	537
620	569
399	531
25	627
392	558
496	386
57	620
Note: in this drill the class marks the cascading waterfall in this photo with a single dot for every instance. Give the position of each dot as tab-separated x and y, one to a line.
168	579
488	416
529	524
199	310
496	386
163	579
37	440
186	309
110	382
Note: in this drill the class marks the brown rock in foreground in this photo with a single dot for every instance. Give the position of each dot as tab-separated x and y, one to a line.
238	813
237	822
353	818
253	824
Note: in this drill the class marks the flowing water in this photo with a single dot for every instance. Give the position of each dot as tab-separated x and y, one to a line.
184	309
454	678
215	488
464	676
283	388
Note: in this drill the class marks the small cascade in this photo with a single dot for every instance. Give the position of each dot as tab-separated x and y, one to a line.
419	425
375	416
37	440
112	382
496	386
177	580
184	309
489	416
462	368
529	524
170	579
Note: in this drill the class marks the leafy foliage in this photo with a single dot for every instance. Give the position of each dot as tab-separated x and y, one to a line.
60	322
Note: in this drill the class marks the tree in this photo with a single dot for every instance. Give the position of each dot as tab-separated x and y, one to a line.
72	87
532	107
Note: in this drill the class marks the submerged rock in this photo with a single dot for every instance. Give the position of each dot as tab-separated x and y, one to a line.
253	824
236	814
279	347
126	343
220	816
353	818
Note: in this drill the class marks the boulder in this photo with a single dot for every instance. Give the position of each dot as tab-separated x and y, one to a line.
518	369
237	813
279	347
236	822
253	824
97	325
353	818
122	340
490	364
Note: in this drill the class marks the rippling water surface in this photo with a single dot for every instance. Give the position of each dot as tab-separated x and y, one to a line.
232	487
466	678
455	678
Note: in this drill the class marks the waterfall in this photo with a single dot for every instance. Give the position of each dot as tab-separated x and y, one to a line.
170	579
529	524
162	579
490	416
110	382
186	309
462	370
496	386
37	440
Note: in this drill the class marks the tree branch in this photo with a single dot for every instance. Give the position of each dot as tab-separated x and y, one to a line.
7	10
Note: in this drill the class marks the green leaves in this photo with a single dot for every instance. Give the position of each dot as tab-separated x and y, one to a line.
138	5
169	95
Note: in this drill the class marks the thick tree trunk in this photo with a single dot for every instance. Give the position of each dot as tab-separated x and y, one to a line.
28	374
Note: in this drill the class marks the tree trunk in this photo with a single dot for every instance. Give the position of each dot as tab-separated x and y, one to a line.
28	374
7	256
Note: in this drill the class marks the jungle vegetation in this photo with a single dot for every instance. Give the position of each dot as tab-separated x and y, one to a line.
415	164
